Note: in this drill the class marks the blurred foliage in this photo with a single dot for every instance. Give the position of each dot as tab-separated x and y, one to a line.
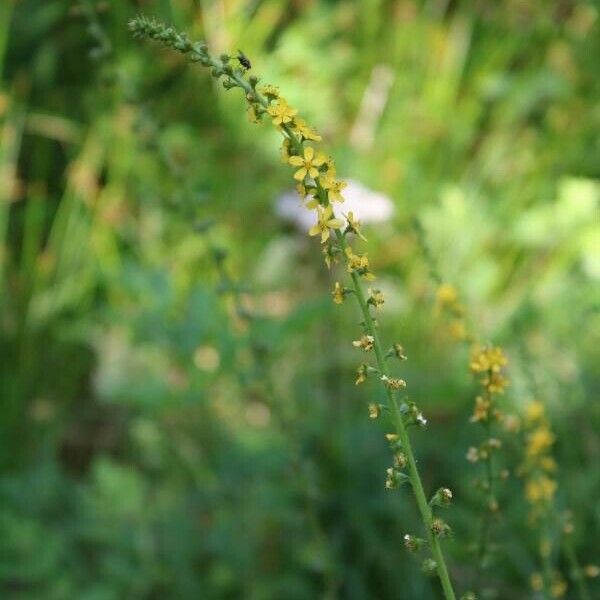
157	445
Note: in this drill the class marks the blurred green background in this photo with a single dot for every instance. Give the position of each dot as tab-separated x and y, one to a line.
179	417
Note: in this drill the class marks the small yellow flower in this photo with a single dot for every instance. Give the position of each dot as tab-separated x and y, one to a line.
393	382
458	329
558	588
473	454
374	411
281	112
400	460
512	423
358	263
314	201
366	342
488	359
537	582
333	186
361	373
535	411
482	407
375	297
338	293
270	91
331	254
540	489
539	441
309	163
396	350
447	295
325	222
353	226
307	132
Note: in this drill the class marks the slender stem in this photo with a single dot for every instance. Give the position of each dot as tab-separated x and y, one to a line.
413	472
576	572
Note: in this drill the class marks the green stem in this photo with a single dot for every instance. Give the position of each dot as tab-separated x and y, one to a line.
576	572
413	472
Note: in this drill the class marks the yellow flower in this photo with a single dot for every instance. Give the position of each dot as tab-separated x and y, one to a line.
482	407
374	411
496	383
488	359
361	373
333	186
446	295
331	254
535	411
270	91
325	222
537	582
393	382
540	490
366	342
307	132
281	112
558	588
375	298
309	164
314	201
457	329
512	423
473	454
539	441
353	226
358	263
338	293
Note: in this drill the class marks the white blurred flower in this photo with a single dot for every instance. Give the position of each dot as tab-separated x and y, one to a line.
366	205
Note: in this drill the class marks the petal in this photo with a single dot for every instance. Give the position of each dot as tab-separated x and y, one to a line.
313	203
314	230
320	159
300	174
313	172
296	161
309	152
335	223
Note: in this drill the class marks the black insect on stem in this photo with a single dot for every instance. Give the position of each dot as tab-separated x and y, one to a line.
244	60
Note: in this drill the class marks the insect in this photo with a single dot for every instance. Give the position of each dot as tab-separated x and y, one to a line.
244	60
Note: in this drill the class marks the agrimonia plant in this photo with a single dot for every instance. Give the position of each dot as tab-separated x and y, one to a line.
487	363
319	187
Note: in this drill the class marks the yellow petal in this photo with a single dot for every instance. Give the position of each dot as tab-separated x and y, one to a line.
300	174
313	203
314	230
296	161
320	159
309	152
335	223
